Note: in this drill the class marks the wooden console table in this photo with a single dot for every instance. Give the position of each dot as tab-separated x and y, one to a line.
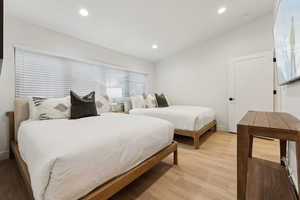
259	179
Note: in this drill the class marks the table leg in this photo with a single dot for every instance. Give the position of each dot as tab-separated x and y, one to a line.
282	151
250	145
243	144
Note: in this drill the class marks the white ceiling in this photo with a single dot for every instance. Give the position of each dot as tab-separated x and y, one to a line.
132	26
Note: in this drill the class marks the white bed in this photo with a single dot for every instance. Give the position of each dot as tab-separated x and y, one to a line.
191	121
67	159
191	118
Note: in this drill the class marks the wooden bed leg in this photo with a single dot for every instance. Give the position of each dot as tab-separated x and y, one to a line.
11	119
175	157
214	129
11	154
196	141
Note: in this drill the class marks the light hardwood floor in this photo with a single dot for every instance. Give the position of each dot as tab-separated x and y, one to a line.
208	173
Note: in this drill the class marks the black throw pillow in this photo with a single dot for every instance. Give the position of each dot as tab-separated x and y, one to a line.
83	106
161	100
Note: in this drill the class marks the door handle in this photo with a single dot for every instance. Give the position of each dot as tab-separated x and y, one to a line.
231	99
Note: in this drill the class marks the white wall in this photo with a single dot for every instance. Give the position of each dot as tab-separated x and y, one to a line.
17	32
290	103
199	75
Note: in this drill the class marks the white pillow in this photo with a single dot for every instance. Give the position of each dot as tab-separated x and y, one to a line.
169	103
151	101
138	102
102	104
49	108
127	104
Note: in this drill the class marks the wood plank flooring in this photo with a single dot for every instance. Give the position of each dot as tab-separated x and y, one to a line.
208	173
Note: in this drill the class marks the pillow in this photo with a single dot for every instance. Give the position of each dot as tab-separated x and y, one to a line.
151	101
127	104
102	104
168	101
138	101
83	106
161	100
49	108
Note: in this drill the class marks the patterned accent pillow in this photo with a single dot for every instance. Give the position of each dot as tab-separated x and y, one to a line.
49	108
151	101
102	104
138	102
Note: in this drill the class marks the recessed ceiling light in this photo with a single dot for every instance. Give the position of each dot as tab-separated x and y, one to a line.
83	12
222	10
154	46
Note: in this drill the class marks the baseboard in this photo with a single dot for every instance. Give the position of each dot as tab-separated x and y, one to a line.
4	155
222	128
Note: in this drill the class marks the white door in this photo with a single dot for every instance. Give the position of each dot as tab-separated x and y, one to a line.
251	86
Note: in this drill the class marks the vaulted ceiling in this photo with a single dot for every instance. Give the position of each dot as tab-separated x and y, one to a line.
133	26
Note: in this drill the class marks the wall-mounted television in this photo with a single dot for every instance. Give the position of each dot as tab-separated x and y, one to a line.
287	40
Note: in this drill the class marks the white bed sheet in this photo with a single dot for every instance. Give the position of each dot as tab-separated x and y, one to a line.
191	118
67	159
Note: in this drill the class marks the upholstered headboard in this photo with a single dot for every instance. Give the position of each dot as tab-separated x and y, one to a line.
20	114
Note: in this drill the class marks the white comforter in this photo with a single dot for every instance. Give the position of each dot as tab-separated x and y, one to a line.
190	118
67	159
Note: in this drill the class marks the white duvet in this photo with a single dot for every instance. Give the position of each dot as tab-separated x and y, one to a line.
67	159
190	118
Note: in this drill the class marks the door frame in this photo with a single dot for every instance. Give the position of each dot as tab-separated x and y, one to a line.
231	81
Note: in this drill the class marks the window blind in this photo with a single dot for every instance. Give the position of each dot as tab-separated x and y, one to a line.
44	75
40	75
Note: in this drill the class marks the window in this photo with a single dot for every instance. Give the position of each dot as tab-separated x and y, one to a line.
51	76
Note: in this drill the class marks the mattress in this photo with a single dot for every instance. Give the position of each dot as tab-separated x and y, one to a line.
67	159
191	118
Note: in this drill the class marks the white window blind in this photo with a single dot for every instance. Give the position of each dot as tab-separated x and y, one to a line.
51	76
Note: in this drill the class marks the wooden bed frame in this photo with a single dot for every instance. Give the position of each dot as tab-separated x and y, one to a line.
212	126
107	189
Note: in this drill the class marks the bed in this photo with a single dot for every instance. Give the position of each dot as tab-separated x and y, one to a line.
89	158
191	121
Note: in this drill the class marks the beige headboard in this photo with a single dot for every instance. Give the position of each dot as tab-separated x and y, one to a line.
21	113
